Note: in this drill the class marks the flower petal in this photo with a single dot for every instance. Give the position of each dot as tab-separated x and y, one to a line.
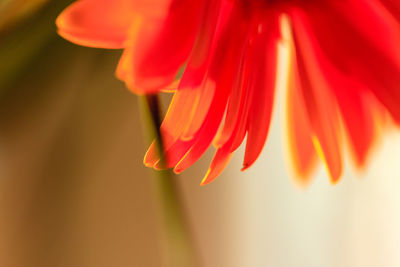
234	129
164	45
319	100
262	85
199	60
225	64
218	164
393	6
357	115
298	130
237	109
174	123
102	23
368	48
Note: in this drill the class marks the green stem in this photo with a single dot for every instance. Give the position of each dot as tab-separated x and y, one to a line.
179	246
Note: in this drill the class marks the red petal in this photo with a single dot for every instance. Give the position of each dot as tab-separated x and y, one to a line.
237	109
357	116
262	85
226	62
234	129
200	57
163	46
393	6
362	43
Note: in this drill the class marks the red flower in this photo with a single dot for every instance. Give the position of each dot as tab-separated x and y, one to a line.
344	72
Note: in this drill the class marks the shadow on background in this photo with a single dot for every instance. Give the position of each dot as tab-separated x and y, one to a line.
73	191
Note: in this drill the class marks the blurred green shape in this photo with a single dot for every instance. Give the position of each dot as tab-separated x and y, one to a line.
12	11
179	245
22	41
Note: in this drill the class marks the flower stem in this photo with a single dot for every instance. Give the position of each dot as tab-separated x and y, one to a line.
178	247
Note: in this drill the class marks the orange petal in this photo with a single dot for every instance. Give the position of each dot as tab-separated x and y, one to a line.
299	131
319	100
97	23
208	130
199	110
218	164
176	119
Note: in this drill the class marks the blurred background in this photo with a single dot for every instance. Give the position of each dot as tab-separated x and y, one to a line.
74	192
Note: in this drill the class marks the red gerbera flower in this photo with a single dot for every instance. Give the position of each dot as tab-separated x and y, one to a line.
344	71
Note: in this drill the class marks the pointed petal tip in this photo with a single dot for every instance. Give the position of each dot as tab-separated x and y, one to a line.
248	163
245	167
302	180
361	167
335	178
204	182
150	158
178	170
302	173
360	162
208	178
159	166
147	164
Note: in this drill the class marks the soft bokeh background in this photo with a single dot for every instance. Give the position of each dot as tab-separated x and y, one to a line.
74	192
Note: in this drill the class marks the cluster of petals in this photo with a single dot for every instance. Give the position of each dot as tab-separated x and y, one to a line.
344	72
